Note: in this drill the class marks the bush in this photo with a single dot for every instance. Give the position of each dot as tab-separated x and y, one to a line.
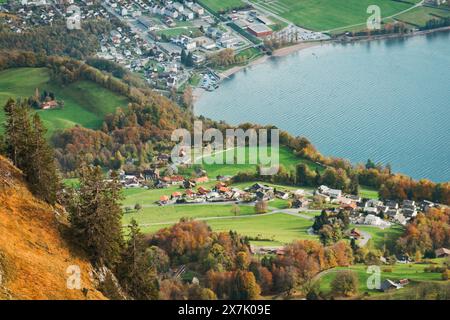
345	284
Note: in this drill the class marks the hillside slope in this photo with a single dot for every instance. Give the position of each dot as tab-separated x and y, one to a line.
33	256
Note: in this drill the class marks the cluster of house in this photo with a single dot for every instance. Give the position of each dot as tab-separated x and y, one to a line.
372	211
28	14
223	192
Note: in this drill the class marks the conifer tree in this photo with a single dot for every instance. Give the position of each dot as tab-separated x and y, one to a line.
26	146
42	173
95	215
135	272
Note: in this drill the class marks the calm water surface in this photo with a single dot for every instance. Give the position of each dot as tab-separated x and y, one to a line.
388	101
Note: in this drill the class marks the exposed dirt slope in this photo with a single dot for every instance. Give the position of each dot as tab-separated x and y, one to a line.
34	257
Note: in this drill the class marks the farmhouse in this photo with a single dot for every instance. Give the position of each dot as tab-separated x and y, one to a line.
259	30
49	105
387	285
442	252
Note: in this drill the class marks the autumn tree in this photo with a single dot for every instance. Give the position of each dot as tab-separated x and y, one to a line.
345	283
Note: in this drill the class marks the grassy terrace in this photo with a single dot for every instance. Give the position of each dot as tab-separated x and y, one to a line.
85	102
330	14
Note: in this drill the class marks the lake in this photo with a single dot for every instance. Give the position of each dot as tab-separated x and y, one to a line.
386	100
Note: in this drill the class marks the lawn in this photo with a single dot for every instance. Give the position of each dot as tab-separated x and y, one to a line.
85	102
222	5
272	230
323	15
368	192
286	158
412	272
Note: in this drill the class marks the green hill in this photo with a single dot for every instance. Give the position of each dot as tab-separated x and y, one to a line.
85	103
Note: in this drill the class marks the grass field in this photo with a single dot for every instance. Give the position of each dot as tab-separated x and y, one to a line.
286	158
222	5
367	192
85	103
419	16
153	215
178	31
412	272
324	15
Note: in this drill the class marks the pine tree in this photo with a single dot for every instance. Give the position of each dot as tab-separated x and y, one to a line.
26	146
95	215
42	173
135	272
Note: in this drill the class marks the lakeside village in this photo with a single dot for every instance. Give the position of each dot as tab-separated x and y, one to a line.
168	43
363	211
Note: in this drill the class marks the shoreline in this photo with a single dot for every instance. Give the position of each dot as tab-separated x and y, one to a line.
285	51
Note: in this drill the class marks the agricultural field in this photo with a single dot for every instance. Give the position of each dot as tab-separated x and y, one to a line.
322	15
85	103
222	5
413	272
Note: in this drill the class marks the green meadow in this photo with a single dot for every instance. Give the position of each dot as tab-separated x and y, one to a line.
85	103
412	272
287	159
323	15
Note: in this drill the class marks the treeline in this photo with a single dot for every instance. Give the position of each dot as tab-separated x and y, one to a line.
57	39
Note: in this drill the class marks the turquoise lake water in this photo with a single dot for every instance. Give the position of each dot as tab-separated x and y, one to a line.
386	100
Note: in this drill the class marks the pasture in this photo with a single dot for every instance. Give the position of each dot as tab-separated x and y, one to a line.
85	103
